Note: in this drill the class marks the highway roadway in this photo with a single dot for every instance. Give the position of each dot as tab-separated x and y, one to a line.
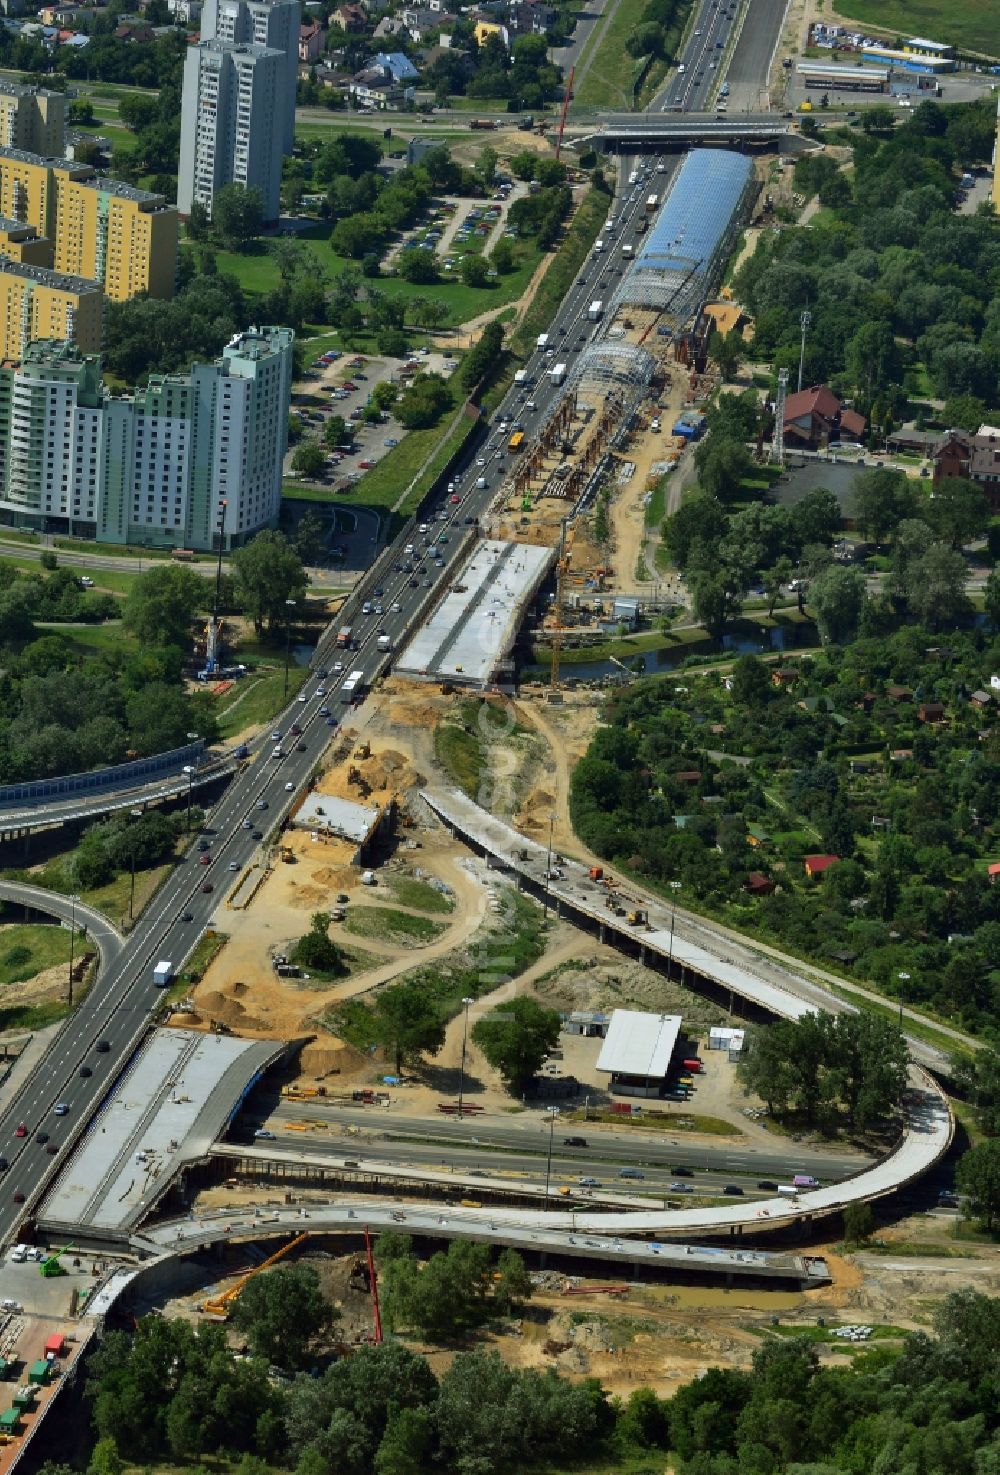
97	1040
482	1146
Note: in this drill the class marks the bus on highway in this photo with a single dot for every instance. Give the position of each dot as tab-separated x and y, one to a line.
516	441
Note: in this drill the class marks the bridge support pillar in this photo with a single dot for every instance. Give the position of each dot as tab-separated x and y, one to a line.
600	932
642	953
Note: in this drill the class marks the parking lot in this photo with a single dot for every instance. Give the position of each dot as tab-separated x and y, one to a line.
341	384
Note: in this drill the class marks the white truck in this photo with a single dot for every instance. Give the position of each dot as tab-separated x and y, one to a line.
163	973
557	373
651	203
542	341
350	686
385	642
627	251
598	247
595	312
521	377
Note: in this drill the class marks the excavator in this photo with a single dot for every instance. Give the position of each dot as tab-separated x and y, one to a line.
51	1267
222	1304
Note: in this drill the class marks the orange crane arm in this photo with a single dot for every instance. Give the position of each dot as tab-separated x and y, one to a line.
220	1305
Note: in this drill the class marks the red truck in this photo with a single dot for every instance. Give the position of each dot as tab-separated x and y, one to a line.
344	637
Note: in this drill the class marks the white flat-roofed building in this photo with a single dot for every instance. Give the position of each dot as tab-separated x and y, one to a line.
637	1051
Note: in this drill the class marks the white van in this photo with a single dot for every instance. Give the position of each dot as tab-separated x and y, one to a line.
598	247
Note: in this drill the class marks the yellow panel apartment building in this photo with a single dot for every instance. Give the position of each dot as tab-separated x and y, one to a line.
122	237
38	303
32	118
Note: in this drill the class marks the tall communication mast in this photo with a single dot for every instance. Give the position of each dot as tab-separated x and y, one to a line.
778	433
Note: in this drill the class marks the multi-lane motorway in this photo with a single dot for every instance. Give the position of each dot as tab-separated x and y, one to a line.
84	1059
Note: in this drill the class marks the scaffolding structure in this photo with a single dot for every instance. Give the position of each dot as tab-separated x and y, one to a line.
610	364
683	254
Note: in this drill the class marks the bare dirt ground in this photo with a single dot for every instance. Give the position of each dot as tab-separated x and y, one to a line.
654	1334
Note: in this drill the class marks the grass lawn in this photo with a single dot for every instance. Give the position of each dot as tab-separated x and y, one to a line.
610	73
27	950
257	698
661	1121
386	924
656	507
106	550
257	272
92	638
971	25
111	899
15	535
419	895
461	755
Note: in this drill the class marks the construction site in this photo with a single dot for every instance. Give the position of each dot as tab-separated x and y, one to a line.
576	480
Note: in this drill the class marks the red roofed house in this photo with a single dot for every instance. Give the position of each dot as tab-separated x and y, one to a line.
993	871
815	865
814	417
973	458
311	40
759	885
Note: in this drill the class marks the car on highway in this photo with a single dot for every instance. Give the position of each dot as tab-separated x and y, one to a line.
257	835
589	1182
204	860
21	1130
62	1108
289	787
19	1198
248	824
682	1172
263	1135
767	1184
261	803
303	697
103	1047
52	1149
4	1165
85	1071
574	1142
681	1188
41	1138
187	916
234	865
733	1190
324	711
207	886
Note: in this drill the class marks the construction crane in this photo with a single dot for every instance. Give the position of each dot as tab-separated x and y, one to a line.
222	1304
557	610
565	109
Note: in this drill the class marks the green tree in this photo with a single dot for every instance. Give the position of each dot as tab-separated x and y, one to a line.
958	511
316	949
516	1039
722	464
836	597
474	271
859	1223
716	598
423	402
310	536
267	572
991	598
751	687
407	1023
483	359
881	499
105	1459
161	605
978	1178
964	412
336	431
935	588
308	460
283	1313
418	264
503	258
237	215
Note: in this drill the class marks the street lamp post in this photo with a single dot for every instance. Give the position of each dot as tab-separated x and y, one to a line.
135	814
553	1112
904	978
675	886
465	1041
72	938
289	606
188	770
548	866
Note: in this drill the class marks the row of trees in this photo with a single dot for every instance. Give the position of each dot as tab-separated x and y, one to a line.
894	279
827	1067
175	1392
